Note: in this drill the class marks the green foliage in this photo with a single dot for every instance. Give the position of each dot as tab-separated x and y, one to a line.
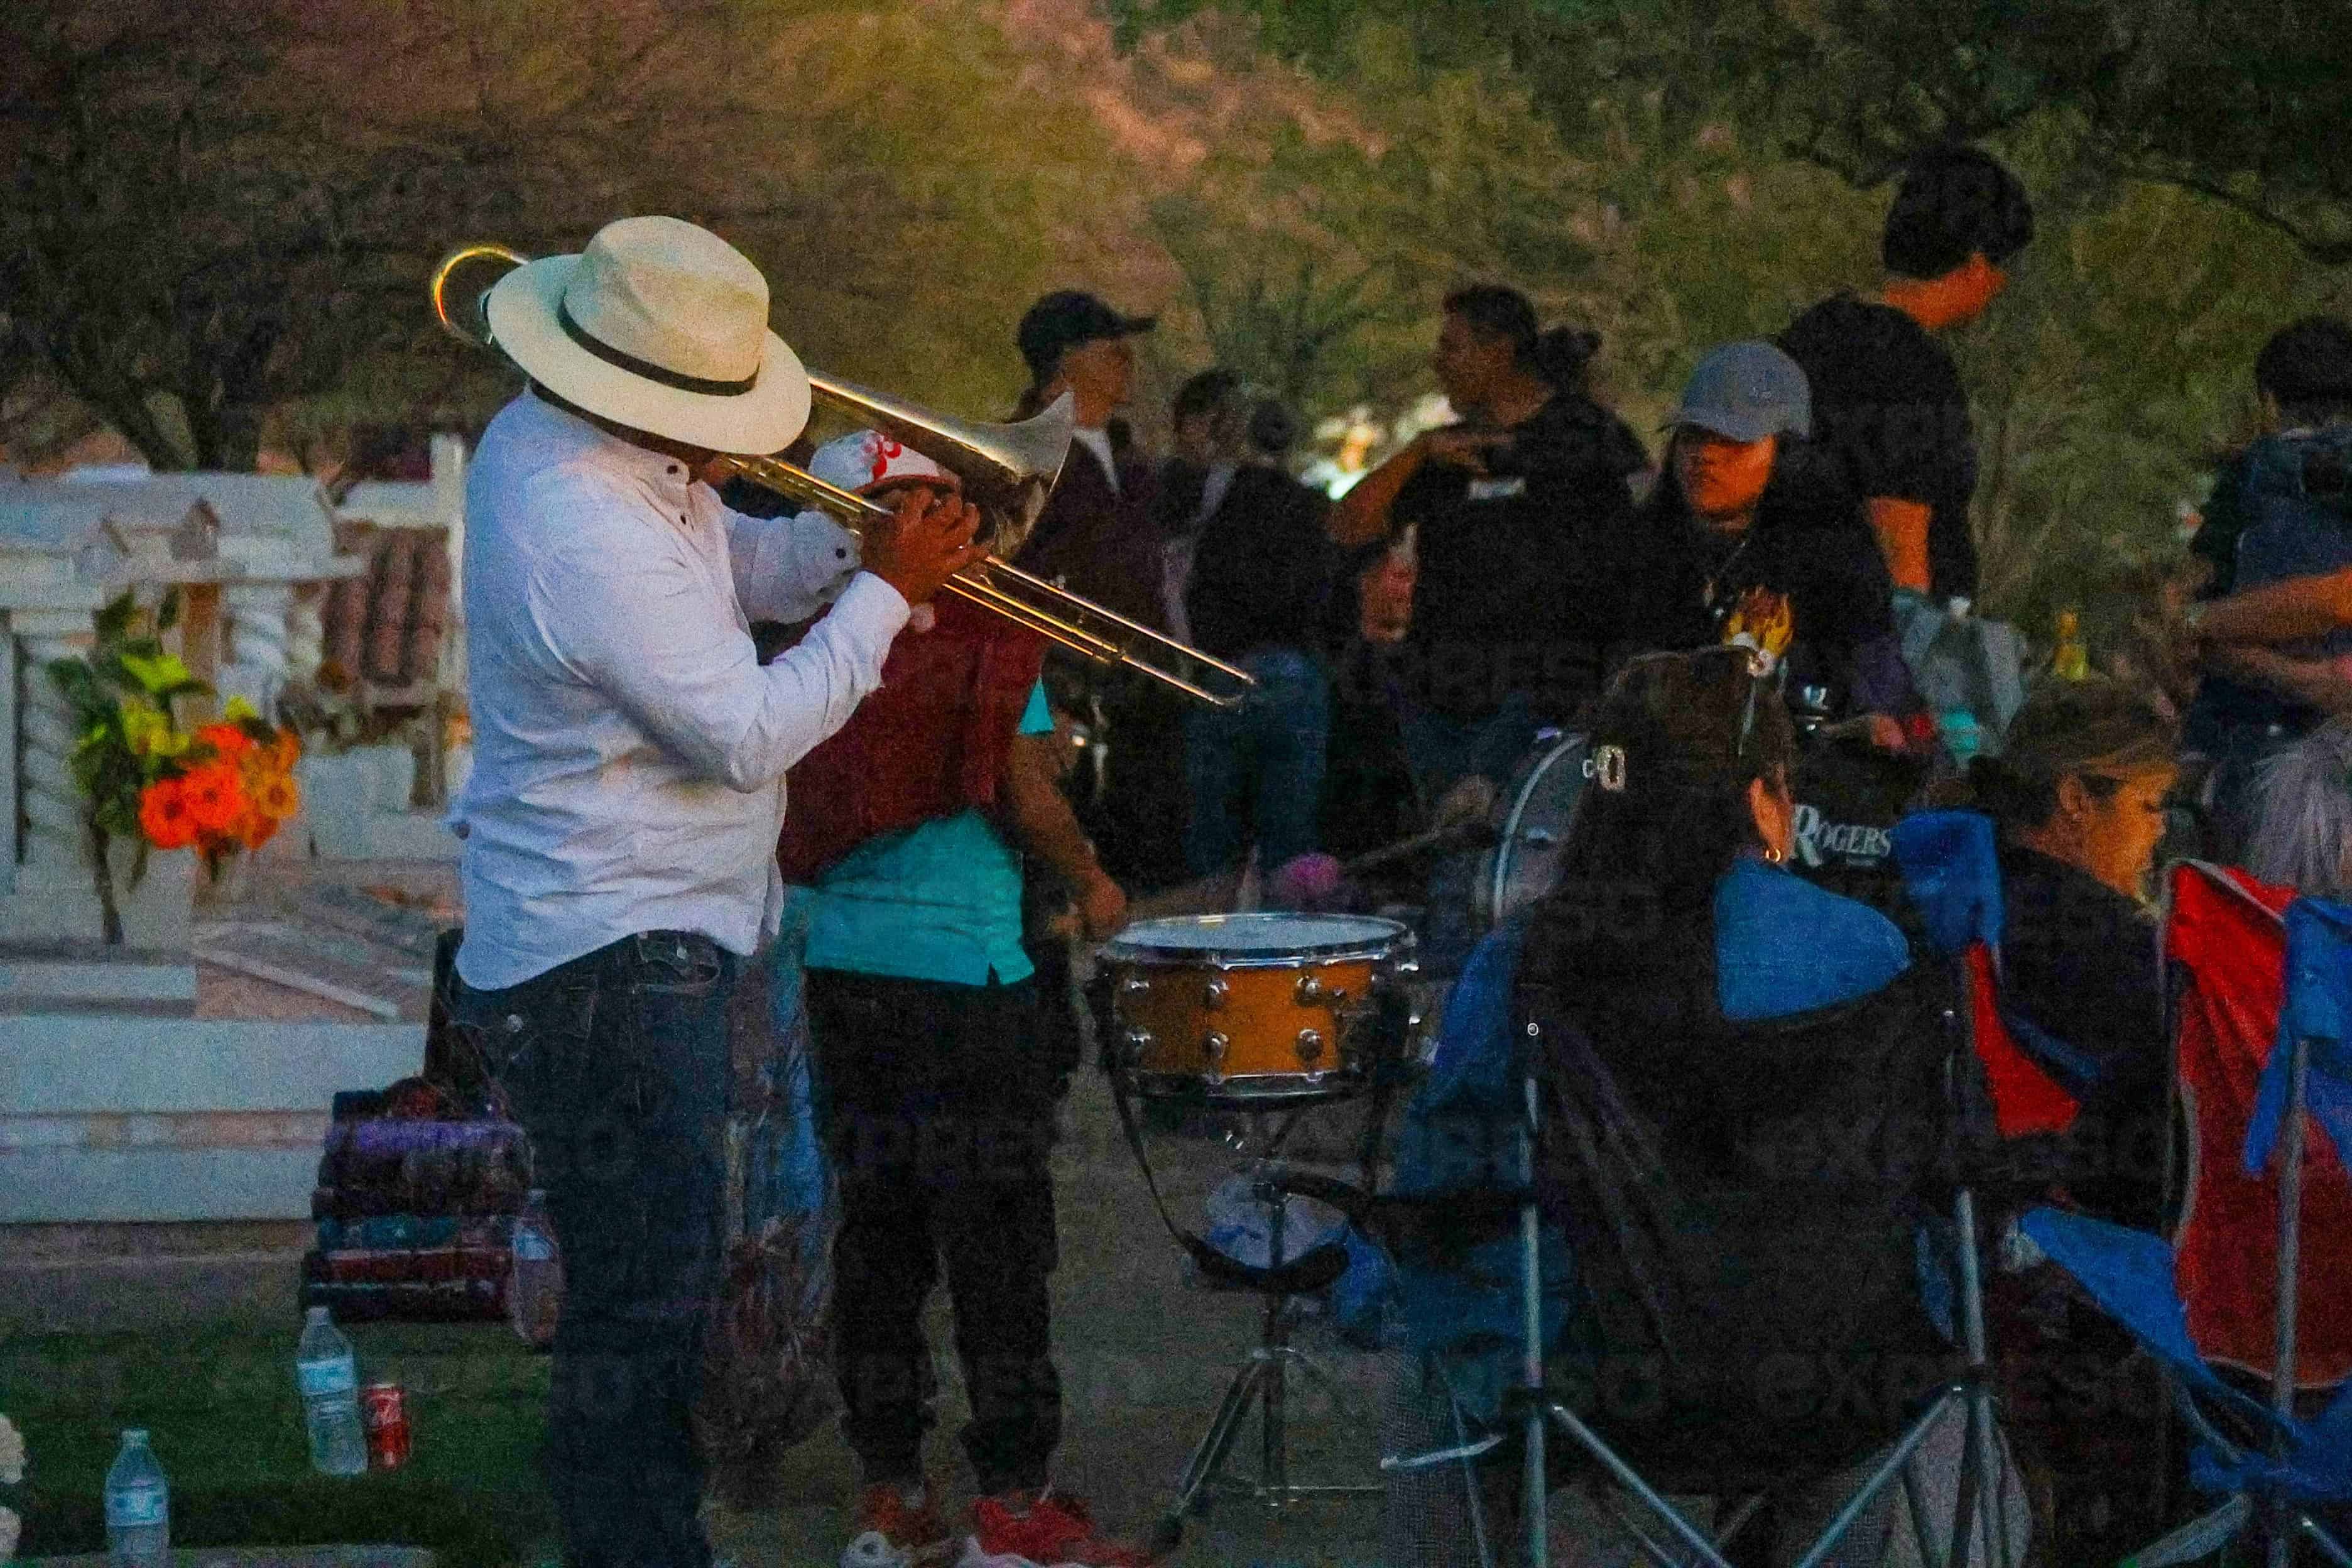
121	696
1294	191
2249	103
223	214
1663	209
1282	339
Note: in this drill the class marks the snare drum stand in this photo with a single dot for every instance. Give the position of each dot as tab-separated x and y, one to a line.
1263	1378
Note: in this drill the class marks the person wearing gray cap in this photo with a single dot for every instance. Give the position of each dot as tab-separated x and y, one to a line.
1750	539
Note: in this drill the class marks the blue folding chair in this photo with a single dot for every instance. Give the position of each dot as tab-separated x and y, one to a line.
2275	1472
1483	1099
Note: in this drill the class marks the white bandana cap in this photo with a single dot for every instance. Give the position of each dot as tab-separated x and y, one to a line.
865	459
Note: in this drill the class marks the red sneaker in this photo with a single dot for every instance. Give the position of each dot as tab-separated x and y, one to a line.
1044	1530
892	1531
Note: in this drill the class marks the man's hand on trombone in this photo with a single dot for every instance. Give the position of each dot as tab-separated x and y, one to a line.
927	540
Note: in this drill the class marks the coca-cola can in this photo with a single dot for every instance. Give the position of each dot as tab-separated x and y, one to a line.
384	1413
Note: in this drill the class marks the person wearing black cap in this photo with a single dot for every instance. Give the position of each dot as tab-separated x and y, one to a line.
1096	537
1098	514
1887	399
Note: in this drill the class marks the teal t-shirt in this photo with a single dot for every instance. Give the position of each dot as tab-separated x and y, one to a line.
939	900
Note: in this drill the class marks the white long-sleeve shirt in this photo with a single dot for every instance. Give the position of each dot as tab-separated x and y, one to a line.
629	749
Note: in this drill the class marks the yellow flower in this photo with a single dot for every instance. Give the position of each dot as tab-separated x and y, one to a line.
276	799
237	709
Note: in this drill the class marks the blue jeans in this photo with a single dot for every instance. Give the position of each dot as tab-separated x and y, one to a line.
616	1066
1255	772
1443	749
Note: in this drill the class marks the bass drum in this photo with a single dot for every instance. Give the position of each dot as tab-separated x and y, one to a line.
1530	824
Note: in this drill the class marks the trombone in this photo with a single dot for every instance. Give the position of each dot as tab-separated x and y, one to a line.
1008	471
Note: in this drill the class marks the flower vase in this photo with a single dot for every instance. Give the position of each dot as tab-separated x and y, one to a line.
216	893
334	803
157	914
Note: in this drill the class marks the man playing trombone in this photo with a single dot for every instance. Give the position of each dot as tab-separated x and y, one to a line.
627	796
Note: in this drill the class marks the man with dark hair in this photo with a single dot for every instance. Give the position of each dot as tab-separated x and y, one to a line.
2303	378
2279	527
1206	415
1259	581
1887	399
1514	514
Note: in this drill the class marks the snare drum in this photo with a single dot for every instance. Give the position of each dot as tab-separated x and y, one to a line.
1252	1008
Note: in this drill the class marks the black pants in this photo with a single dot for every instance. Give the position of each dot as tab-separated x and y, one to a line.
615	1064
939	1120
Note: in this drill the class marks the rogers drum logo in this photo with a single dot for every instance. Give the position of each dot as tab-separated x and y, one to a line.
1820	841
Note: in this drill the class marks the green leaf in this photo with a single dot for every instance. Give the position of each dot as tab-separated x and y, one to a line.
79	682
162	676
114	621
167	615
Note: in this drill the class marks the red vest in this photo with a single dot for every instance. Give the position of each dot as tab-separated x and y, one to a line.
930	741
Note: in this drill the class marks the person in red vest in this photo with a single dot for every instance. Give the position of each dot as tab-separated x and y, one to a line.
910	825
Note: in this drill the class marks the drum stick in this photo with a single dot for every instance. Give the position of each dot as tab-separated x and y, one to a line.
1209	896
1454	836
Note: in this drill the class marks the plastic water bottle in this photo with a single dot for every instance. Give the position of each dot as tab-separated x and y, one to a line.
328	1377
2072	658
535	1291
138	1507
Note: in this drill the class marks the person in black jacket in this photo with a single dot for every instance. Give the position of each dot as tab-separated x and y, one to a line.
1261	573
1513	512
1749	538
1096	538
2077	793
1752	537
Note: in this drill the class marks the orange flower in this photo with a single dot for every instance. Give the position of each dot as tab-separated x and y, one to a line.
275	797
252	829
164	817
215	795
227	740
285	750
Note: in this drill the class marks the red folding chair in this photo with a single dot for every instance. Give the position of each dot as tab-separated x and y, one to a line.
1952	874
2225	947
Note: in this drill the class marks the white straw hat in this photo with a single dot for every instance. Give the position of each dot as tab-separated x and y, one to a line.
660	326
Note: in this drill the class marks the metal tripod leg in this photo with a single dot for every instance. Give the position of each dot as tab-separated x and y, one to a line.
1265	1377
1209	1457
